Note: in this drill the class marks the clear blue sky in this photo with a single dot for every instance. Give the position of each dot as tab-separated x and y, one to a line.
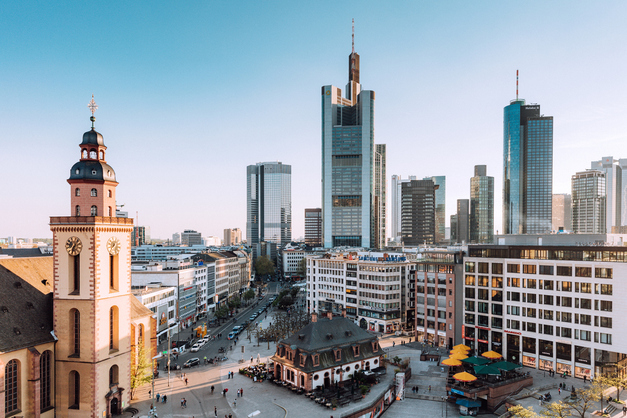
192	92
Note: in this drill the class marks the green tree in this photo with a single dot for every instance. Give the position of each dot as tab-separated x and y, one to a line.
522	412
557	409
585	400
248	295
222	312
302	267
263	265
140	370
234	302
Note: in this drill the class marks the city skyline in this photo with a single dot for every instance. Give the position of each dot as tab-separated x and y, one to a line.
166	78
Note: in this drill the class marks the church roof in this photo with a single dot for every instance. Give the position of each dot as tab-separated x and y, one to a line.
25	302
92	170
138	310
328	333
92	138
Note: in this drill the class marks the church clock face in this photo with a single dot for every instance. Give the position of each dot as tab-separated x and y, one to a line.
73	246
113	246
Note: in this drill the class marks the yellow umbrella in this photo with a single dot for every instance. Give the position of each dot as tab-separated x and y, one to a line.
459	356
459	350
464	377
465	347
451	362
491	355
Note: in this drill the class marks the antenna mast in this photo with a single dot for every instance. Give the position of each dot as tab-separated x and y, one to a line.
353	35
516	85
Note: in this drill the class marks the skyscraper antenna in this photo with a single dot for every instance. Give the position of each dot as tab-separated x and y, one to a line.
353	35
516	85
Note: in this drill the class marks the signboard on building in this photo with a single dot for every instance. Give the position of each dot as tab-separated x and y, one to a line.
162	317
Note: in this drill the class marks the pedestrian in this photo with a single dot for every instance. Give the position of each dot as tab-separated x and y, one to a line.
585	378
215	411
149	393
429	388
624	410
158	396
559	391
234	403
238	393
393	343
165	398
241	392
212	388
185	381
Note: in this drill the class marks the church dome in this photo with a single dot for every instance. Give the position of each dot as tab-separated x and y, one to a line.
92	138
92	170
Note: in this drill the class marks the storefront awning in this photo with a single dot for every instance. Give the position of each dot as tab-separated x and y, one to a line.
468	403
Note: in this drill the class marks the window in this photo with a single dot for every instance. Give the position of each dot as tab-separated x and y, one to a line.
94	193
109	193
586	319
548	284
531	283
77	192
529	268
497	296
567	302
470	267
584	335
605	322
78	210
606	305
483	268
603	273
113	375
497	282
75	335
470	292
113	273
483	307
45	380
101	154
470	280
586	287
11	386
110	212
606	289
531	297
567	317
513	268
606	338
529	312
567	286
586	304
497	268
483	281
513	281
583	271
497	322
531	327
546	270
94	210
74	390
113	328
482	294
469	319
75	274
564	271
548	300
513	310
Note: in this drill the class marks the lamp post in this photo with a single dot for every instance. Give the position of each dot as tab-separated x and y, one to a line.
153	408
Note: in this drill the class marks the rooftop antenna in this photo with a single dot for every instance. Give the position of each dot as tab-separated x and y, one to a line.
353	35
516	85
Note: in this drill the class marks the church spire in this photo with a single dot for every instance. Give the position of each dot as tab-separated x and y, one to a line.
93	107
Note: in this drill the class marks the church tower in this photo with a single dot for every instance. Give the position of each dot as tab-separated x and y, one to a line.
92	290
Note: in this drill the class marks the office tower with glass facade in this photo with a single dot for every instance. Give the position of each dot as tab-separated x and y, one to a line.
268	205
380	189
190	237
481	206
348	164
440	207
527	169
589	200
418	212
562	213
453	229
462	233
395	206
313	227
140	236
614	189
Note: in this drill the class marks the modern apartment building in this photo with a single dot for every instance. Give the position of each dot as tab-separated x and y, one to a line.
160	252
418	224
550	307
481	206
313	227
140	236
268	204
589	202
370	286
349	165
527	169
562	213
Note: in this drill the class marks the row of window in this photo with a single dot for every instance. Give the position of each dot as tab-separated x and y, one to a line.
94	192
94	211
497	268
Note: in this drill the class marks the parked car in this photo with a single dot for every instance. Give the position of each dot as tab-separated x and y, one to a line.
201	343
236	329
195	348
191	362
231	335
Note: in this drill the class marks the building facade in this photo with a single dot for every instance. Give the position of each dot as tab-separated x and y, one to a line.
462	222
348	164
232	236
589	202
140	236
527	169
268	204
190	237
440	207
395	206
418	225
615	188
562	213
313	227
380	195
481	206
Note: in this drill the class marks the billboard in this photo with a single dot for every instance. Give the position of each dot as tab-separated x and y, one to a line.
162	317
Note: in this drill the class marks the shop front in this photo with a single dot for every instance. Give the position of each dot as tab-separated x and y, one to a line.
562	368
582	372
546	365
529	361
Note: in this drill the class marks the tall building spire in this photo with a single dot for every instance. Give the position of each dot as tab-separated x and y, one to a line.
353	63
353	36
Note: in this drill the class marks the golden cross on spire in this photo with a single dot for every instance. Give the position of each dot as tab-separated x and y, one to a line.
92	105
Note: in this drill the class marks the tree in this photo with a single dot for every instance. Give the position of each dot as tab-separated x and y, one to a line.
263	265
520	411
600	383
585	400
302	267
557	409
139	370
234	302
222	312
248	295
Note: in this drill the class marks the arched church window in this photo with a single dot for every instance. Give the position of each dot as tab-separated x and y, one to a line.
114	328
74	390
110	212
94	192
94	210
11	386
78	210
113	375
101	155
77	192
109	192
92	154
84	153
45	399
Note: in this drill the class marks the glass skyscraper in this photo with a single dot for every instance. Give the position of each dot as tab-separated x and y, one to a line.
527	169
481	207
589	202
440	207
418	212
349	191
268	204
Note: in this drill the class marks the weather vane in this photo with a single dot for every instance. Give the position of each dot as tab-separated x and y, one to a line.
93	107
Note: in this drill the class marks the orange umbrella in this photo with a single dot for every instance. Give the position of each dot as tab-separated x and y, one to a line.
459	350
464	377
451	362
465	347
459	356
491	355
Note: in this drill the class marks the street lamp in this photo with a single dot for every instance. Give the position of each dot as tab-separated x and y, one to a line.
153	408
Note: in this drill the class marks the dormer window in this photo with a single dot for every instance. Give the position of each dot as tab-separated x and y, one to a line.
101	155
94	193
316	359
303	359
356	350
338	354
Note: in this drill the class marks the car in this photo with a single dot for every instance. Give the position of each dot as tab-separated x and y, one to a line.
191	362
231	335
236	329
195	348
205	339
201	343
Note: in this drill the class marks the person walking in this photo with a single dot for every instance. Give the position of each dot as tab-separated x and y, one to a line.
241	392
212	388
158	396
559	390
215	411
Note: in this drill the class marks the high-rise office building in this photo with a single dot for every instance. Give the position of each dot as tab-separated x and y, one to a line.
462	231
481	206
232	236
589	200
380	189
614	189
453	229
440	207
418	212
348	163
313	227
395	206
140	236
268	204
527	169
562	213
190	237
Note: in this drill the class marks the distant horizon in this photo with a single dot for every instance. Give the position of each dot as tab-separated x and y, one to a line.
190	94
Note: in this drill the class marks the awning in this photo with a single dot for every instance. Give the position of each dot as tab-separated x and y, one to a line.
506	365
476	360
468	403
487	369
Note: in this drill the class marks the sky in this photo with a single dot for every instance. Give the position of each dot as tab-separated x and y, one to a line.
190	93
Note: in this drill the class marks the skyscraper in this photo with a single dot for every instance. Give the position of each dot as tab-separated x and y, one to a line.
440	207
268	204
481	206
313	227
348	164
190	237
379	224
562	213
462	233
527	169
589	200
418	212
232	236
614	189
395	206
